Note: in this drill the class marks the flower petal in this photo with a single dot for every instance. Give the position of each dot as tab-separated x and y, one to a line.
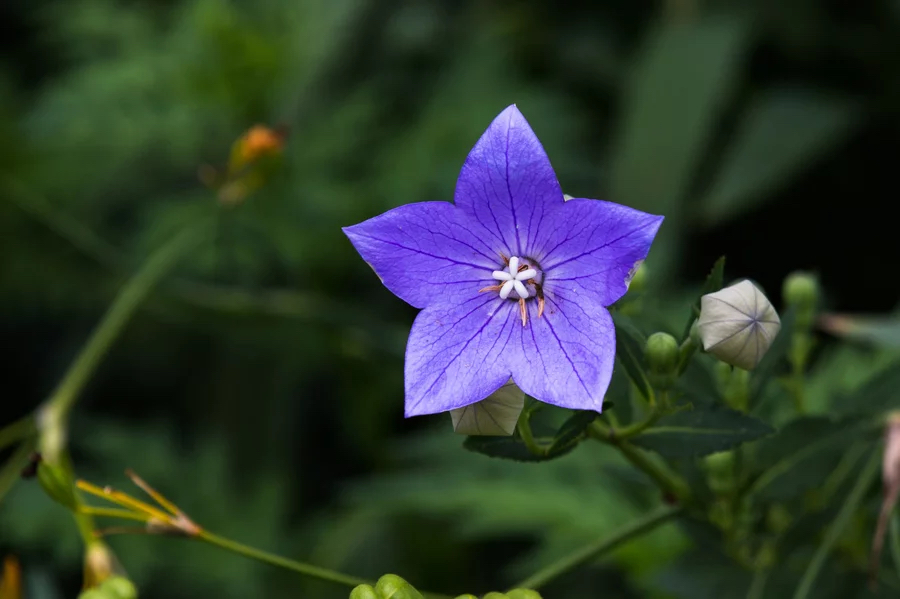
456	353
507	184
565	357
496	415
426	252
588	249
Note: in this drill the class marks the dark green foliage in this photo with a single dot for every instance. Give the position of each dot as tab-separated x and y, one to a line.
261	387
701	431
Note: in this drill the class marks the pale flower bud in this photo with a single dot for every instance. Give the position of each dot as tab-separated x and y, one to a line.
738	324
496	415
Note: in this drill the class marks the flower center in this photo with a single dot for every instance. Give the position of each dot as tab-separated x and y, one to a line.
514	277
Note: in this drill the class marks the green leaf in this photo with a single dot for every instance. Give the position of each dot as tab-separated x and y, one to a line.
801	455
700	432
511	448
714	281
682	79
630	352
571	431
782	132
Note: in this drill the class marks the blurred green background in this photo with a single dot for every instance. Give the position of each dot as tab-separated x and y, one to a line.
261	387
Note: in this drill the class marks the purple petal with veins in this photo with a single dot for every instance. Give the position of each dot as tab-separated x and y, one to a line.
513	280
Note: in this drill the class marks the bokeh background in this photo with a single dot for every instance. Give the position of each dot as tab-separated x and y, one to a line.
261	387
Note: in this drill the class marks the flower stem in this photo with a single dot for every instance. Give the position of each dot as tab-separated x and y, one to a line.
596	548
120	312
667	480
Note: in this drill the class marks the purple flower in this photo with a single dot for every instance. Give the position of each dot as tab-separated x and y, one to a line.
512	280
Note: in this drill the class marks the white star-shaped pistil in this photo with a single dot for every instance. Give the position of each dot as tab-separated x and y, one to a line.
512	279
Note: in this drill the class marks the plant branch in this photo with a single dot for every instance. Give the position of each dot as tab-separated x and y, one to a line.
596	548
19	430
120	312
667	480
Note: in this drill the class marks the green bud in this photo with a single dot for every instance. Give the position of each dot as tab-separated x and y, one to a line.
801	291
363	591
118	587
662	353
57	483
523	594
467	597
93	594
391	586
496	596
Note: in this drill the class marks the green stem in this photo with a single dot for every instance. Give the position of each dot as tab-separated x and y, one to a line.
523	427
596	548
282	562
17	431
667	480
845	515
12	469
120	312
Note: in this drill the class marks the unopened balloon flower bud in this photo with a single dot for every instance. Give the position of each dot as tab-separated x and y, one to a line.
496	415
662	354
523	594
636	279
391	586
738	324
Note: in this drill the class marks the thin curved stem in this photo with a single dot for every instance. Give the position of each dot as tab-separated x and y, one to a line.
667	480
17	431
594	549
282	562
120	312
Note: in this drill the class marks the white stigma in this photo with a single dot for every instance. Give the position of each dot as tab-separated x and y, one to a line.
512	279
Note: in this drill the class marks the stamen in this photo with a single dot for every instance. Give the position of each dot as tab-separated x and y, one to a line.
523	309
490	288
520	288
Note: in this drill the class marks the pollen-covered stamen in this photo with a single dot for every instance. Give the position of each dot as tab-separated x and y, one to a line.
514	278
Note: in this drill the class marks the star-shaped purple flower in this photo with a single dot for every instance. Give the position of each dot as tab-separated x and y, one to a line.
512	279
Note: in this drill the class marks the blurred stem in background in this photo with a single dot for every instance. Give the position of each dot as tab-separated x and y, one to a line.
596	548
167	518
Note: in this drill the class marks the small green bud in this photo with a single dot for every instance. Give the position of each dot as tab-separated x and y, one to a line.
801	289
466	597
118	587
93	594
363	591
662	353
57	483
523	594
801	292
391	586
496	596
